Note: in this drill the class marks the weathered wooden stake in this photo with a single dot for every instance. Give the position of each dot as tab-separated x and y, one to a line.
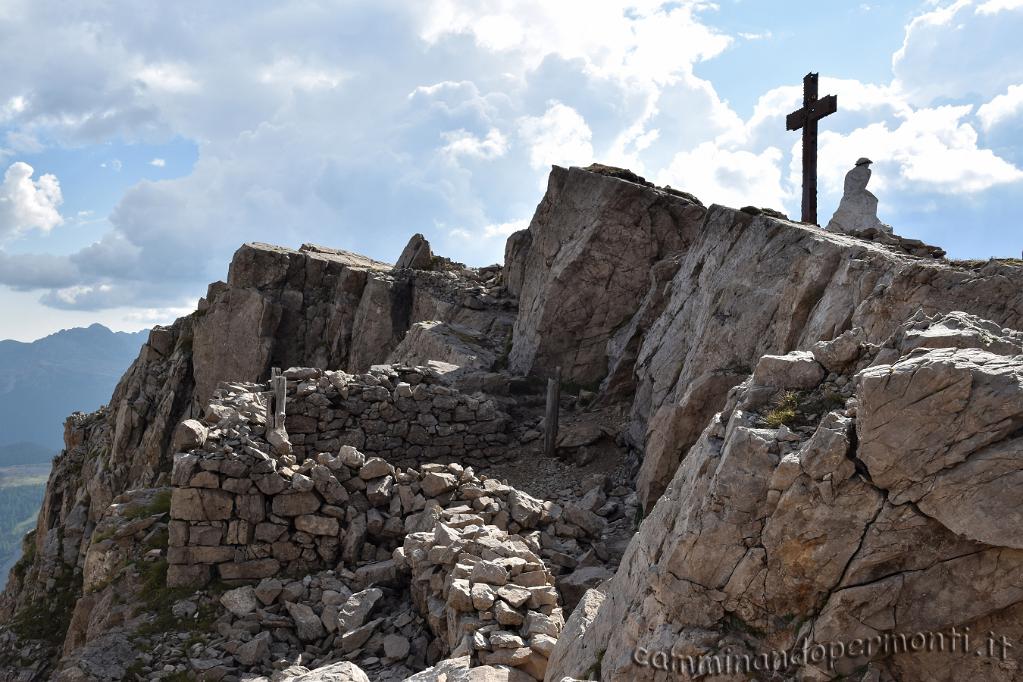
551	418
275	405
280	387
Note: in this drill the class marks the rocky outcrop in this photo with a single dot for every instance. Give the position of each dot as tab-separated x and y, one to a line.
454	344
856	479
416	255
457	562
584	267
314	307
869	510
756	285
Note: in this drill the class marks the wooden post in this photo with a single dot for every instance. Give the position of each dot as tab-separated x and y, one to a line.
280	388
551	418
270	400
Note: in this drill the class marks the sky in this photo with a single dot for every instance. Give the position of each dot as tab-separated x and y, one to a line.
140	145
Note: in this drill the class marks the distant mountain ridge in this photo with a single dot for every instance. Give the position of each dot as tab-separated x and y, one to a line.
43	381
16	454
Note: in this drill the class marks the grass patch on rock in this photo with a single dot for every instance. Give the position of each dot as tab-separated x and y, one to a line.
160	504
784	412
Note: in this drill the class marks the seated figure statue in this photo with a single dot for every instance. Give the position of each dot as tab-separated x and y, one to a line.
857	212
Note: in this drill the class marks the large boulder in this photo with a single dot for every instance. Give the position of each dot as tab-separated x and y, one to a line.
895	515
584	267
451	343
416	255
336	672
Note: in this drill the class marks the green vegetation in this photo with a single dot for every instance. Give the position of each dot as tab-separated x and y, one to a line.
19	507
48	618
784	411
98	537
158	599
501	362
134	671
159	540
28	554
160	504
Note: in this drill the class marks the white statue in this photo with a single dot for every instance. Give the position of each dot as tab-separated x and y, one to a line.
857	212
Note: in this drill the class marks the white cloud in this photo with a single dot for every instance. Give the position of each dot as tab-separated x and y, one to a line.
149	317
730	177
114	165
463	143
560	136
996	6
27	204
23	142
505	229
491	231
960	50
159	163
171	78
646	40
1002	108
14	106
290	72
931	150
445	113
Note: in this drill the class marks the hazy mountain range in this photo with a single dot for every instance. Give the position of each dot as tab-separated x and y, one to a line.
44	381
41	383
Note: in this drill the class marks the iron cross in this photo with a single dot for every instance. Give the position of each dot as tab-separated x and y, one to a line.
806	118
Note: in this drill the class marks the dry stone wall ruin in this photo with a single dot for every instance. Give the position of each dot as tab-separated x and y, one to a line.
241	513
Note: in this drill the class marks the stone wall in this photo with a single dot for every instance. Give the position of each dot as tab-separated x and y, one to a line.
242	511
472	550
399	413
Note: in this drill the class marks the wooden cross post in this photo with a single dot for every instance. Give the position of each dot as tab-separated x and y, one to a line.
806	118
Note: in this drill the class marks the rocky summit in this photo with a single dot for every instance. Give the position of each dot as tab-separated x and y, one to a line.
775	452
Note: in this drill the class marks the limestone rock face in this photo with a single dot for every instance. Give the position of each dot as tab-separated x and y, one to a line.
416	255
751	286
585	267
516	252
857	211
886	504
451	343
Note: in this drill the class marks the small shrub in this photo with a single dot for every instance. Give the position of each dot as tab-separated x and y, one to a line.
785	411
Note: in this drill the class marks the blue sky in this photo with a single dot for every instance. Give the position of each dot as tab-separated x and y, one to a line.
140	149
